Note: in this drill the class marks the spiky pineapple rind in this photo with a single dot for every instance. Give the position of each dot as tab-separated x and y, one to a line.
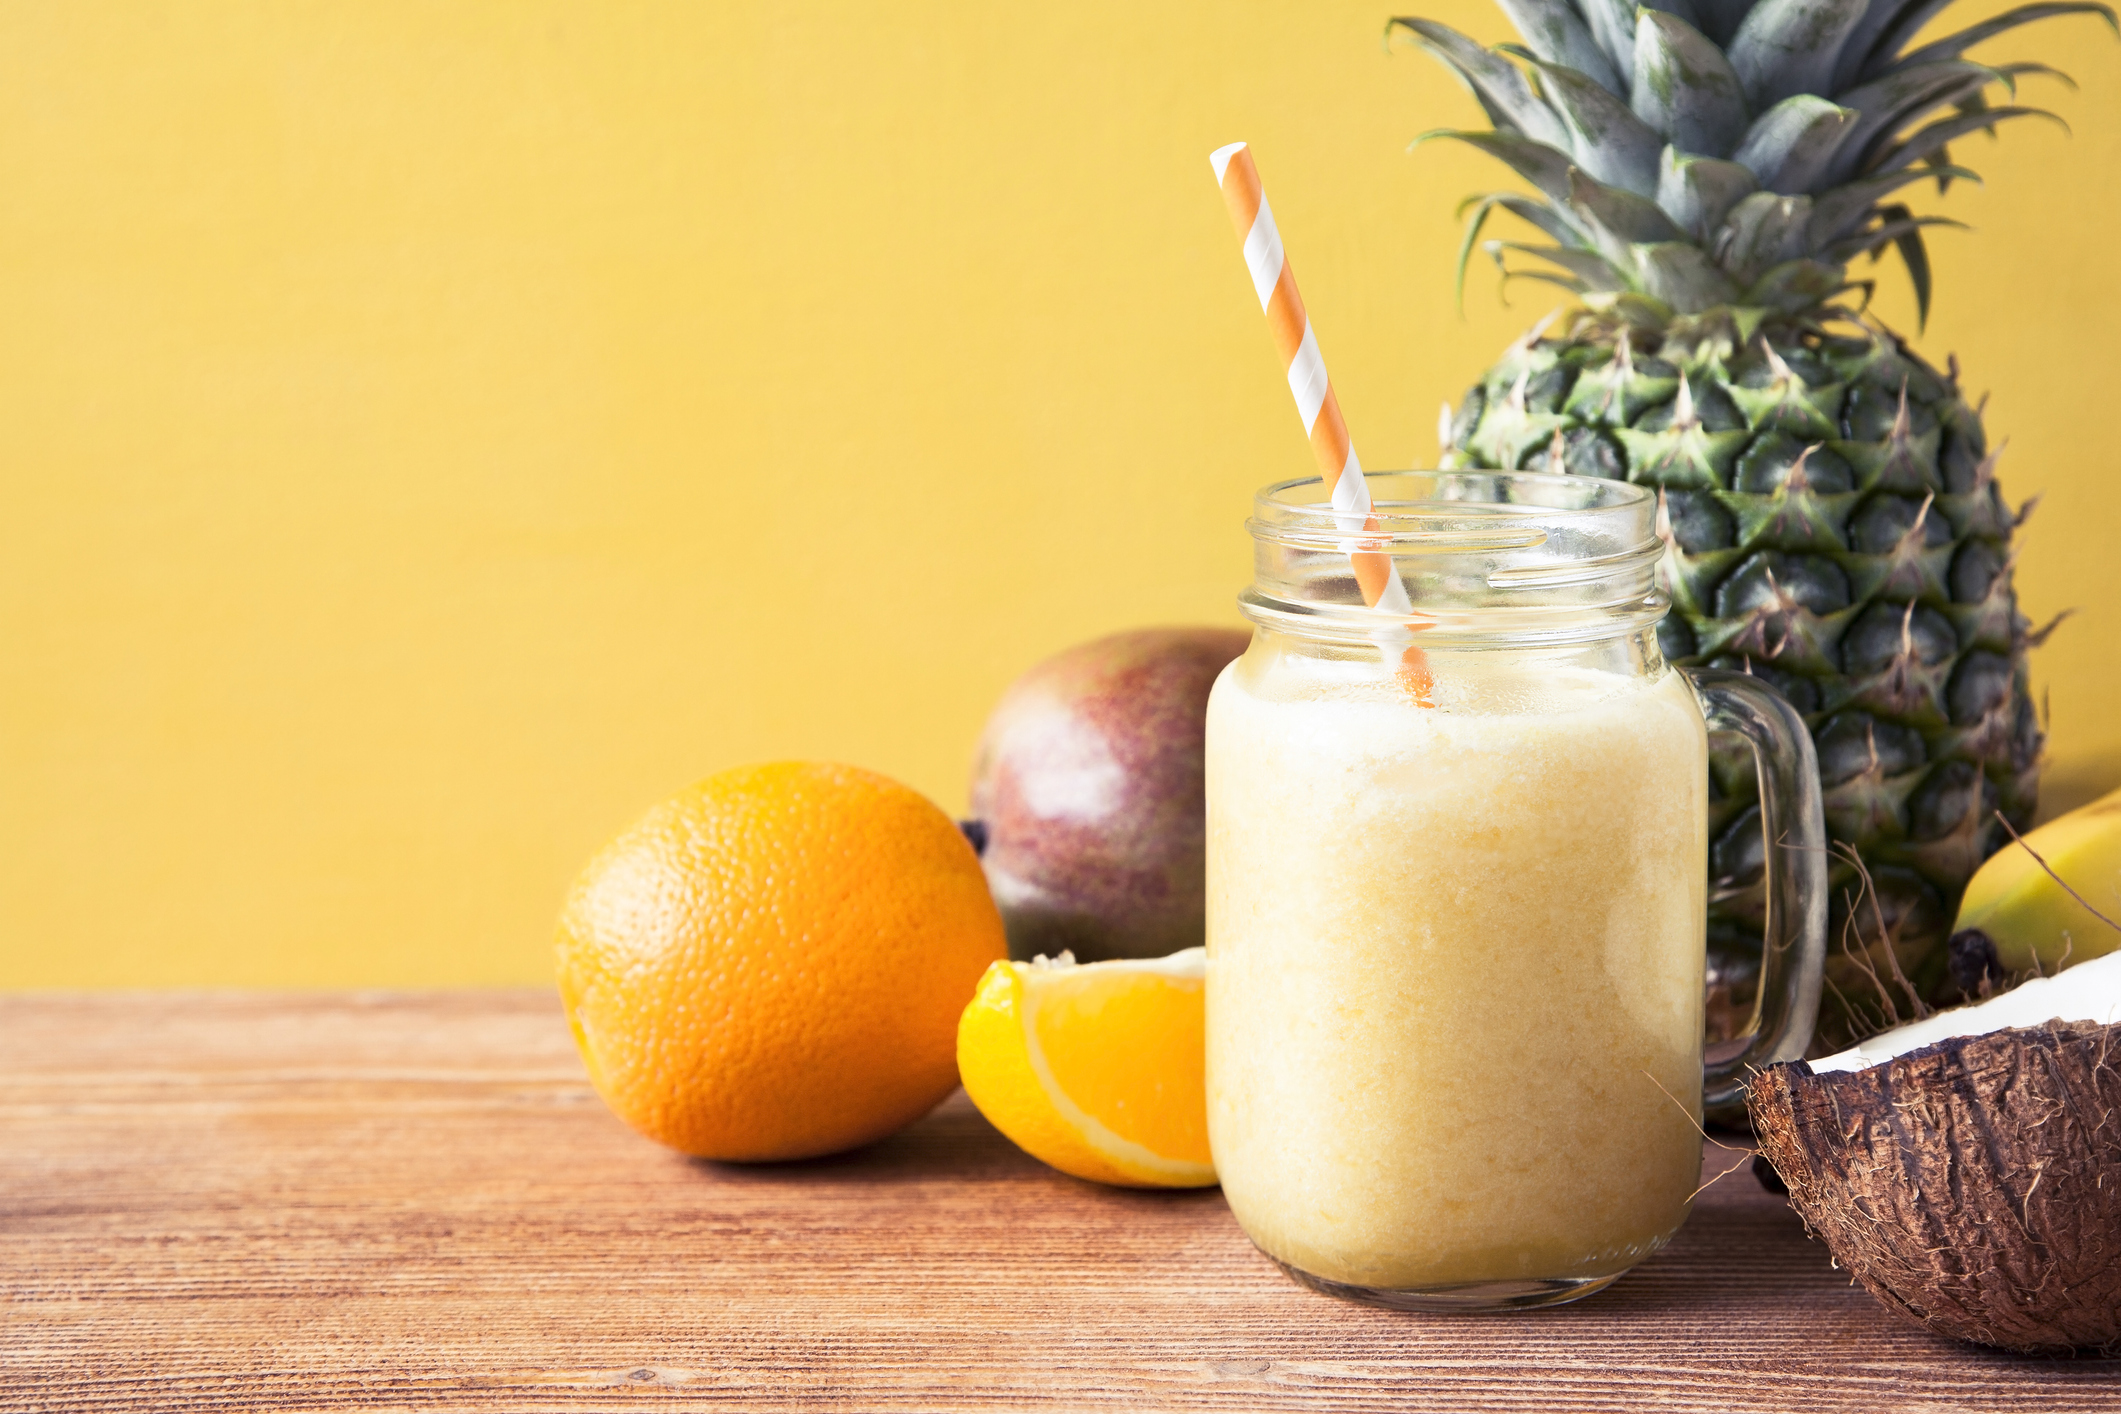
1832	525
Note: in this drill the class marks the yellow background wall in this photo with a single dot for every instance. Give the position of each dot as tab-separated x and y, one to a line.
433	432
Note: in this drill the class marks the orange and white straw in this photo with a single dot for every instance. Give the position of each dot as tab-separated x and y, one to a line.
1375	574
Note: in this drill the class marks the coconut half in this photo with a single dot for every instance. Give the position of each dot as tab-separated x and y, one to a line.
1967	1168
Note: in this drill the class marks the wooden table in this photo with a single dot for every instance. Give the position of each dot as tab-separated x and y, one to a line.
392	1201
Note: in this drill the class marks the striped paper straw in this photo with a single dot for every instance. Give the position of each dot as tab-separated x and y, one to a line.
1275	284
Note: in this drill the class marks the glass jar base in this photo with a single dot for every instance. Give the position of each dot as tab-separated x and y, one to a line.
1469	1297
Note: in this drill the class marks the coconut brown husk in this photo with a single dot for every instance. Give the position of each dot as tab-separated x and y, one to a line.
1974	1185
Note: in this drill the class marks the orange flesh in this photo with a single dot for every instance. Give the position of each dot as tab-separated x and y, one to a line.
1144	1079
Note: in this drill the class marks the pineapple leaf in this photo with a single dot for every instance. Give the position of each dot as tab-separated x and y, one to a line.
2012	71
1904	232
1952	46
1557	34
1684	88
1612	25
1797	285
1886	25
1542	166
1637	311
1498	84
1681	274
1591	270
1837	211
1920	145
1763	231
1698	192
1787	47
1791	146
1889	104
1545	217
1540	213
1618	219
1544	277
1609	141
1484	207
1894	222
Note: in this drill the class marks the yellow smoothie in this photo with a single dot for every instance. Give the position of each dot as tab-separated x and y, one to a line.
1455	967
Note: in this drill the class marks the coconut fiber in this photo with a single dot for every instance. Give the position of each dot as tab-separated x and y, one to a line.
1973	1185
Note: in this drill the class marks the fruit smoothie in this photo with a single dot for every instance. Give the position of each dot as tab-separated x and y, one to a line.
1455	967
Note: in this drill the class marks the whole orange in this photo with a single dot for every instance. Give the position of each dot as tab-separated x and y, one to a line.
771	964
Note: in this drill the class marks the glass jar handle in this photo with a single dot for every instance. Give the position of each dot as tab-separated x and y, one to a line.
1793	951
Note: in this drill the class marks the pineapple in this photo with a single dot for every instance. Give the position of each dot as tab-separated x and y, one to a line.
1705	173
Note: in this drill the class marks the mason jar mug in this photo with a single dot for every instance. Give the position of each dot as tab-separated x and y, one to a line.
1456	894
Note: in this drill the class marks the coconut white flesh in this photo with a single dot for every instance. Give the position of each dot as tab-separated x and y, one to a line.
2090	991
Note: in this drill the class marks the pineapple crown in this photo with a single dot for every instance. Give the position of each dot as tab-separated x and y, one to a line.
1699	155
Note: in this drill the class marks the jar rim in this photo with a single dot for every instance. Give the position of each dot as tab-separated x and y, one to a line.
1487	556
1410	521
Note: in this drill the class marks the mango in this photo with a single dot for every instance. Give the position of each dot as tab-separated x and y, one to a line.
1089	795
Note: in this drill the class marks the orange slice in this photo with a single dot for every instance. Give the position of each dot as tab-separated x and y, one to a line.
1095	1068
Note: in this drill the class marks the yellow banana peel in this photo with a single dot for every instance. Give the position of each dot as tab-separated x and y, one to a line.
2031	921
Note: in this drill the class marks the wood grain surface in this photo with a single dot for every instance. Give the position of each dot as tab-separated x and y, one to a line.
388	1201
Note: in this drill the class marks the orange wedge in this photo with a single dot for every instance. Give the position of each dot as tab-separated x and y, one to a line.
1095	1068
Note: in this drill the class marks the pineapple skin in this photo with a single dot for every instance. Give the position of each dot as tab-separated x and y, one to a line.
1832	525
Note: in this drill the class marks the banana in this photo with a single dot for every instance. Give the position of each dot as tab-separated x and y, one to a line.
2016	920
